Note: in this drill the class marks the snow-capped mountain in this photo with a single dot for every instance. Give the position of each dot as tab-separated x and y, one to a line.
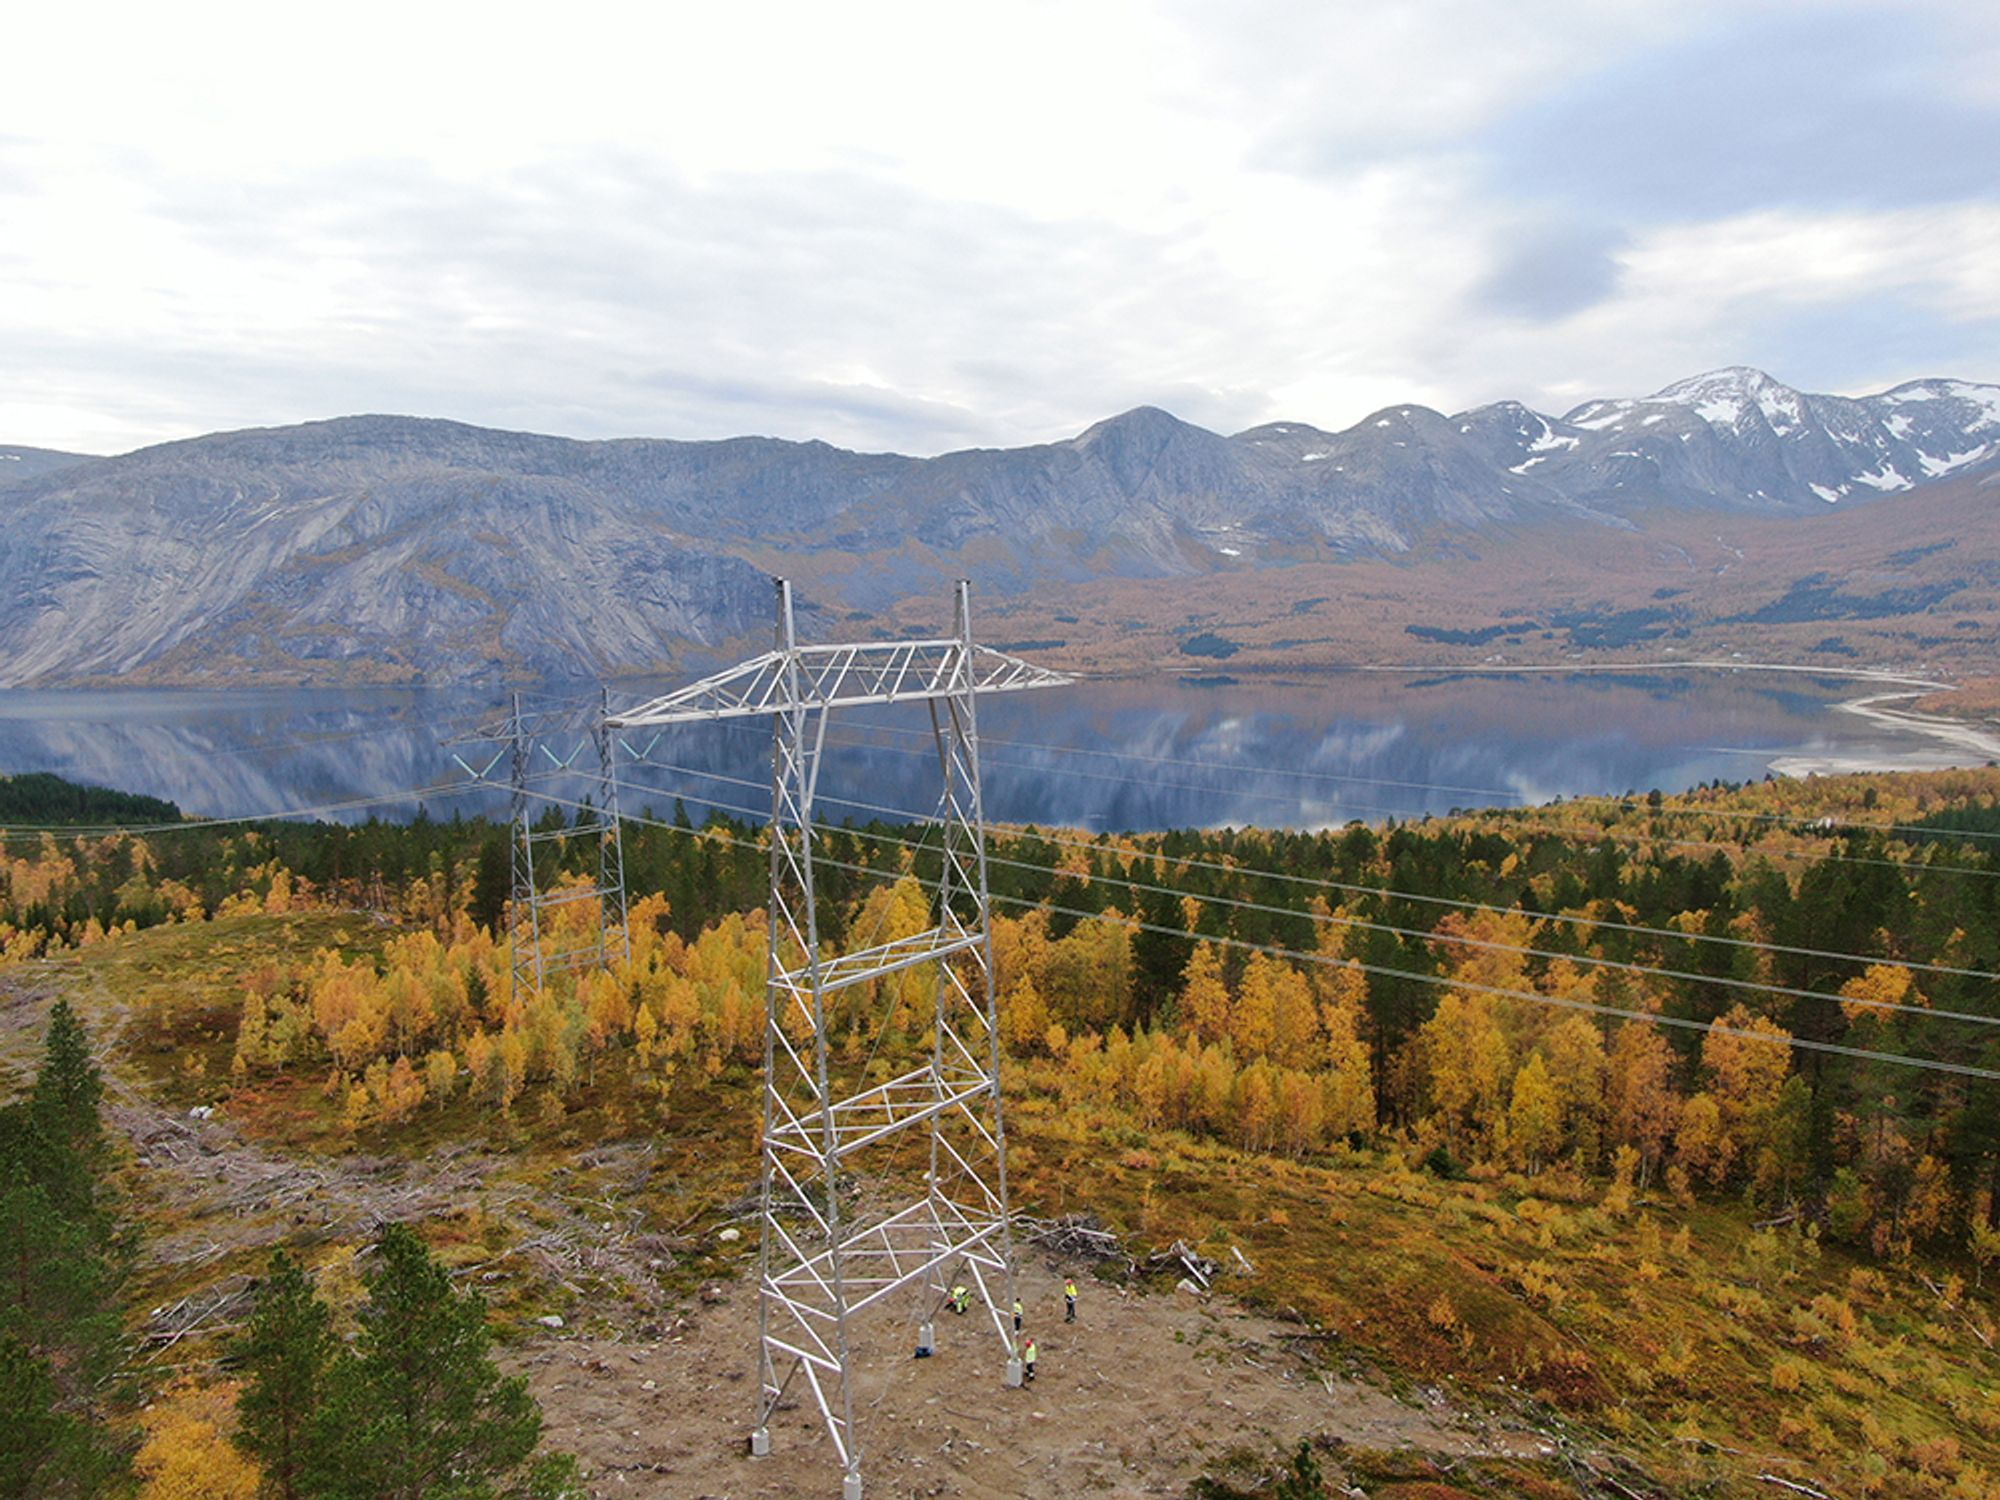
1739	439
392	548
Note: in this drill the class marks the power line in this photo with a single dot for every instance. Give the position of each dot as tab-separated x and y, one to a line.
1232	768
1387	971
1566	1003
15	832
1238	903
1487	945
1362	924
1544	811
845	737
1386	893
1522	801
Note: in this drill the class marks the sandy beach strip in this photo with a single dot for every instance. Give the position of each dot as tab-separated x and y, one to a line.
1952	743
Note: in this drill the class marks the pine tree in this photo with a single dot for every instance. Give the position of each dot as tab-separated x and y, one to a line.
1302	1480
492	884
44	1451
58	1320
54	1283
287	1350
420	1409
67	1090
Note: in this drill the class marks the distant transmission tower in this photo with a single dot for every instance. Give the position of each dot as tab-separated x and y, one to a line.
826	1256
585	742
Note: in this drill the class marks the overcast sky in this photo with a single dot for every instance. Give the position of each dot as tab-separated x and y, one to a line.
928	226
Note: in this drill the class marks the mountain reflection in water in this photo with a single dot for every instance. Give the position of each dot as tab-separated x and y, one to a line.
1137	754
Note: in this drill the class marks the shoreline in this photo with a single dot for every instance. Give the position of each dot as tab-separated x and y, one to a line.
1977	746
1859	674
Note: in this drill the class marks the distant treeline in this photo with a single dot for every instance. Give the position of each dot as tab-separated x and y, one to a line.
38	797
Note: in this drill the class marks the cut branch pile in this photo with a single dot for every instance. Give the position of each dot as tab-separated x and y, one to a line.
1080	1235
1194	1266
213	1309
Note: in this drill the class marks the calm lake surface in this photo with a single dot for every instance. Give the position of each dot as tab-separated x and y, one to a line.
1102	755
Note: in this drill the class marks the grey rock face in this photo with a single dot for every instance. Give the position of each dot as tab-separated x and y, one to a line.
399	549
18	465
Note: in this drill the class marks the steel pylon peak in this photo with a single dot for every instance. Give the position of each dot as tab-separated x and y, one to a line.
827	1255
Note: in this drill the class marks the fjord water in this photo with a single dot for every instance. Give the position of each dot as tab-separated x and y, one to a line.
1129	754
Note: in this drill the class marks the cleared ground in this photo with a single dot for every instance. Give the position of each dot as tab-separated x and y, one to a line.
1138	1397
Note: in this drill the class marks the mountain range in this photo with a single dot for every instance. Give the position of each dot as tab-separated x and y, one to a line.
382	548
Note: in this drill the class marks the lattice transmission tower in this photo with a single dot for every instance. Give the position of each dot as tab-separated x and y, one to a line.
577	748
826	1256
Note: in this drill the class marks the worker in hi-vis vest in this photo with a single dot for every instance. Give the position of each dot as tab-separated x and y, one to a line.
1017	1315
961	1299
1028	1353
1069	1299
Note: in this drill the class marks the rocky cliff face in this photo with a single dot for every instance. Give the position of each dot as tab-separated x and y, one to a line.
18	465
399	549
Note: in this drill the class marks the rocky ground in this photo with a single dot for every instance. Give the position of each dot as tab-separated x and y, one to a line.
1143	1393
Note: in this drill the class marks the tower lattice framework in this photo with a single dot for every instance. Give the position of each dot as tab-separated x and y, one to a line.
575	748
829	1253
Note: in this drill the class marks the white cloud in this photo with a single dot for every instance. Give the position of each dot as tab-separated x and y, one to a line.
902	225
1945	256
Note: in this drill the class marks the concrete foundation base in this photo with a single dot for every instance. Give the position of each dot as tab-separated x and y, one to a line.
760	1442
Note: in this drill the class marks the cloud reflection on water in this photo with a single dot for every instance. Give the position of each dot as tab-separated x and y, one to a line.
1100	755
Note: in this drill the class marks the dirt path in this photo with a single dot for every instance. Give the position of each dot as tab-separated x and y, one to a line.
1137	1398
215	1201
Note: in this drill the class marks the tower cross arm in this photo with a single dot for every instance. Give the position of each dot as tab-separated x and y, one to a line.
842	676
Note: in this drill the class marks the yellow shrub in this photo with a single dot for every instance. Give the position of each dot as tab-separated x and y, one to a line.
187	1454
1837	1315
1938	1456
1675	1364
1542	1284
1807	1434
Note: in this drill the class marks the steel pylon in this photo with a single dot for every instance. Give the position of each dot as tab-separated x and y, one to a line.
574	754
826	1256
